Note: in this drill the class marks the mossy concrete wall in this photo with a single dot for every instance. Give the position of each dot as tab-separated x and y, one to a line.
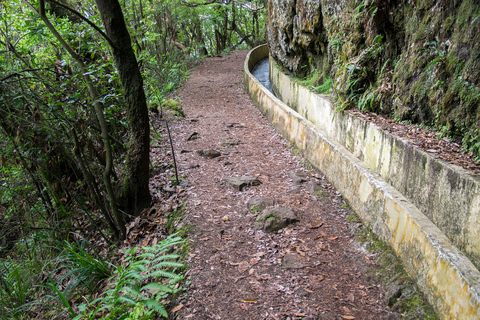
447	194
448	278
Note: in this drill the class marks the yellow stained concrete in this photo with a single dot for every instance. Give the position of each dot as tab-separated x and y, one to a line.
450	281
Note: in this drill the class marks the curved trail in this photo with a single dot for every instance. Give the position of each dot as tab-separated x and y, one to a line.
237	272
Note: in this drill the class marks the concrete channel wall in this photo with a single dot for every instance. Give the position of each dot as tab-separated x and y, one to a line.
375	172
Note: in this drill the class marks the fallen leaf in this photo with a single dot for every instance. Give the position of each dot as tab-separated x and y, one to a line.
254	261
203	239
180	306
234	263
225	218
316	225
333	238
309	291
320	278
243	266
347	317
251	271
292	249
299	314
259	254
249	300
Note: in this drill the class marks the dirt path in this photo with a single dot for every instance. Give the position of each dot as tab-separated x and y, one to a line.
312	269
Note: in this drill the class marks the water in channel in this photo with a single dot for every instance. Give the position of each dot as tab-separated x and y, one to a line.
261	72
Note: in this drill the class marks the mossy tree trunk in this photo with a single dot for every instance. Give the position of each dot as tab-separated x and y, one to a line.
135	194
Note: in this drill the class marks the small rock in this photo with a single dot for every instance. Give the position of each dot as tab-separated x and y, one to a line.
258	204
184	151
239	183
209	154
194	166
193	136
302	292
230	142
292	261
298	177
315	189
276	218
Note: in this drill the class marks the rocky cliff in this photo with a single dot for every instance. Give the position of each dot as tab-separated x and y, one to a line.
415	60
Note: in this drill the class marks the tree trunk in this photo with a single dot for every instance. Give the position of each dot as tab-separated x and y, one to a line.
135	194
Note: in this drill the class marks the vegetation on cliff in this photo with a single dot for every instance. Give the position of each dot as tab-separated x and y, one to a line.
416	61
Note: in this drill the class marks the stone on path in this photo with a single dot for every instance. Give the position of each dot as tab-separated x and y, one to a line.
193	136
298	177
239	183
209	154
258	204
230	142
276	218
292	261
315	189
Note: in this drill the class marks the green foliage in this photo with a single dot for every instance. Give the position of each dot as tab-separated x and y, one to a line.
138	287
82	268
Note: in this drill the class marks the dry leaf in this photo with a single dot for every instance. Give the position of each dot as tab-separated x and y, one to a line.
251	271
225	218
299	314
254	261
347	317
333	238
320	278
249	300
243	266
309	291
259	254
180	306
203	239
316	225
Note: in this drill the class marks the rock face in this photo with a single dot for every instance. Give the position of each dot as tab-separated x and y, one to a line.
415	60
296	35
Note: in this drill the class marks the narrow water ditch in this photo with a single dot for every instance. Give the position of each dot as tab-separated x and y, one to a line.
262	73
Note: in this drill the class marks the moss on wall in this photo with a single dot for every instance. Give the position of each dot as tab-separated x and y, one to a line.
413	60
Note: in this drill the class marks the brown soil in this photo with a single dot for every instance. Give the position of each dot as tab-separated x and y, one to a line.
236	271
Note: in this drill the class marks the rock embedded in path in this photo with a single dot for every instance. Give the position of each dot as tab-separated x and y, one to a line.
209	154
230	142
276	218
258	204
240	183
193	136
315	189
298	177
292	261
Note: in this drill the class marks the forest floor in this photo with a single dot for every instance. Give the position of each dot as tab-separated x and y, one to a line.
311	269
